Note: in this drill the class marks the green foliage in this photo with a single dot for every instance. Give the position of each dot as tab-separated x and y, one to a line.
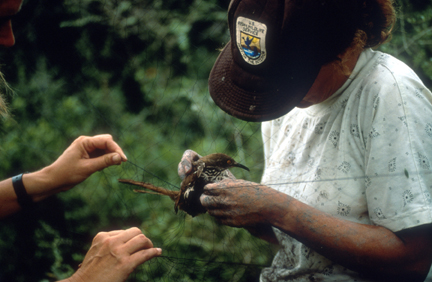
137	70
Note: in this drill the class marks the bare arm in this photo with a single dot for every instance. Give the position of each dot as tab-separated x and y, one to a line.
82	158
368	249
373	250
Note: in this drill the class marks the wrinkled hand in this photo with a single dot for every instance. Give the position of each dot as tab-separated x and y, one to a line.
82	158
238	203
185	165
114	255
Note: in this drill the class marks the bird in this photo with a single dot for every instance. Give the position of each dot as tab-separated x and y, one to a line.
208	169
247	41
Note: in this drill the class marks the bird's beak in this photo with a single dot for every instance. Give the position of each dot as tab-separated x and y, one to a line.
241	166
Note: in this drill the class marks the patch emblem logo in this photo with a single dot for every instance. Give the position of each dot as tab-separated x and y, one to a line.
250	39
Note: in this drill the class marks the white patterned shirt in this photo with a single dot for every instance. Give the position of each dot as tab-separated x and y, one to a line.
363	155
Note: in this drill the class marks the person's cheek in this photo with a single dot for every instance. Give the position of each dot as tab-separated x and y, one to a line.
7	38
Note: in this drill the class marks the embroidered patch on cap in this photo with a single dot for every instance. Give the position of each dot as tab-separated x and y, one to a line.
251	40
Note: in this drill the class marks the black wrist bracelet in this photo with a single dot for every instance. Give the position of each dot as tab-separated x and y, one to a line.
24	200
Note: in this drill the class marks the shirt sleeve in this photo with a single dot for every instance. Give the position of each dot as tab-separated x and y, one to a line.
397	133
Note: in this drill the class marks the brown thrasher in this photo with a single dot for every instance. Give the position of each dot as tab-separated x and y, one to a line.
208	169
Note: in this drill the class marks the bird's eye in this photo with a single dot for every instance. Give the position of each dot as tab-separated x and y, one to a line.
228	161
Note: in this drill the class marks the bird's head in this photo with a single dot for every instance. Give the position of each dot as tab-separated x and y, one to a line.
221	160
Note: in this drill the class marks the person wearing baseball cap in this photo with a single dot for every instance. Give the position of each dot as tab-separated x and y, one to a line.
347	133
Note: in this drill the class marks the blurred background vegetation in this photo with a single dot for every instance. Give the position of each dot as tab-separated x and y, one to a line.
137	70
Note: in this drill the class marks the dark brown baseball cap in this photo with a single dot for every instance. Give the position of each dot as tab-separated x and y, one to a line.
276	51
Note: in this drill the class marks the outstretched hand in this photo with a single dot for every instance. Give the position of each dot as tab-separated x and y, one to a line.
114	255
82	158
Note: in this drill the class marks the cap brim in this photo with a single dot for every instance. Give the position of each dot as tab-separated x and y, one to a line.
275	95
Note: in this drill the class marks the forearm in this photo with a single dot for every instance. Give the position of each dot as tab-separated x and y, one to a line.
368	249
82	158
364	248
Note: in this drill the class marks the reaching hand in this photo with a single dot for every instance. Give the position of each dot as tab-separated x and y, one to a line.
114	255
84	156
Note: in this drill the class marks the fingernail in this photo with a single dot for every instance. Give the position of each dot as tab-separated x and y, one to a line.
116	159
159	250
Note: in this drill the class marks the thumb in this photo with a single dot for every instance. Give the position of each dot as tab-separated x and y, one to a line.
106	160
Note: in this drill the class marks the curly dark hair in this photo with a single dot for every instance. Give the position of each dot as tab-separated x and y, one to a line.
377	19
343	26
375	22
